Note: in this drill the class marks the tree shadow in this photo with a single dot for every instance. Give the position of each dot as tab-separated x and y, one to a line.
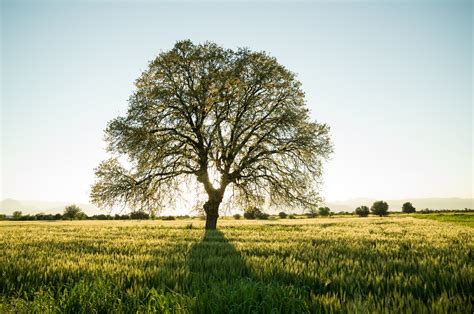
214	261
221	281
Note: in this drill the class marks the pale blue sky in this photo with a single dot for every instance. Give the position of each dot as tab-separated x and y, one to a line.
392	79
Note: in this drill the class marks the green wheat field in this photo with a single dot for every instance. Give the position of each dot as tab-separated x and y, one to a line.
332	265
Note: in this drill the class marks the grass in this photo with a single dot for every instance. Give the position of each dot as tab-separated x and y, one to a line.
346	265
466	219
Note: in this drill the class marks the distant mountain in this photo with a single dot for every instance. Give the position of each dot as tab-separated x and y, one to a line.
8	206
396	205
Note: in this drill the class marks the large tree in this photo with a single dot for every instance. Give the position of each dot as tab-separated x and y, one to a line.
230	119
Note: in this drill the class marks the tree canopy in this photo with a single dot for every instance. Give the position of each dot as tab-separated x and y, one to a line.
233	120
73	212
408	208
379	208
362	211
17	214
324	211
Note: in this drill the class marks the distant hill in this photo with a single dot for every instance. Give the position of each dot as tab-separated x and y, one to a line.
396	205
8	206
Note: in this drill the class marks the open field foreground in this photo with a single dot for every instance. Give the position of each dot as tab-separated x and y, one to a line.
348	265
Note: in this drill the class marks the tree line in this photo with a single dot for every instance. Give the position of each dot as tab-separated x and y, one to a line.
73	212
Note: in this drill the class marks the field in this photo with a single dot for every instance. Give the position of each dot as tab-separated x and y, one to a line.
347	265
466	219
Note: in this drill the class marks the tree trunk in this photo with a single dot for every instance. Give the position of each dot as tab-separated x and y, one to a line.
211	207
211	221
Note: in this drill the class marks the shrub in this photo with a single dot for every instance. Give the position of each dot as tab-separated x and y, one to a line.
121	217
312	213
408	208
292	216
27	217
102	217
3	217
282	215
237	216
249	215
263	216
140	214
42	216
255	213
252	213
324	211
362	211
168	218
379	208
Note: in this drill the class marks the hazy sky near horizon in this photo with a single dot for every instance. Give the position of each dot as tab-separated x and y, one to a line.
392	79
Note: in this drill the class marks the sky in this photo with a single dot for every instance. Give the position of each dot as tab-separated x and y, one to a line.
393	79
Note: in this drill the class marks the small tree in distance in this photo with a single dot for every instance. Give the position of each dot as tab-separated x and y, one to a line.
362	211
17	215
282	215
139	215
73	212
379	208
255	213
324	211
408	208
